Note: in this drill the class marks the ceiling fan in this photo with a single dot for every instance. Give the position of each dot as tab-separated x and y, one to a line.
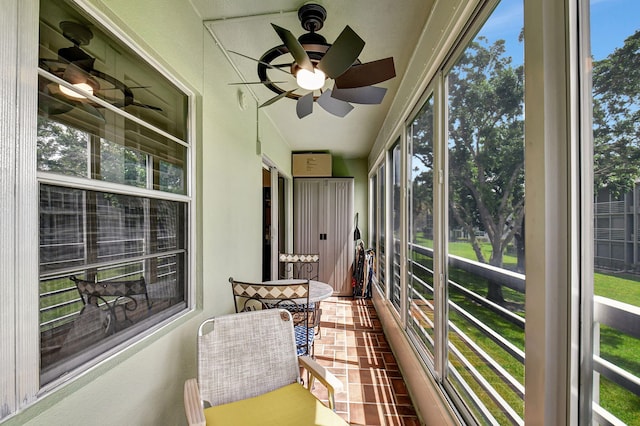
76	67
316	62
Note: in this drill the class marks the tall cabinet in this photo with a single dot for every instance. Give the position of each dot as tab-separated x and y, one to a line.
323	223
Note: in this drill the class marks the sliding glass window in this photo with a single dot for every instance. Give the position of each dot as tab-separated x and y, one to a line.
485	361
396	221
112	161
420	293
381	224
615	51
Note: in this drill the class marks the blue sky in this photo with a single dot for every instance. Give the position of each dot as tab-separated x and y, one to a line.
612	21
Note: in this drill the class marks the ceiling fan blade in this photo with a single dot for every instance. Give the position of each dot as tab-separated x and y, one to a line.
367	74
52	105
129	87
360	95
276	98
138	104
295	48
75	74
342	54
49	64
304	106
275	67
90	109
285	65
334	106
257	82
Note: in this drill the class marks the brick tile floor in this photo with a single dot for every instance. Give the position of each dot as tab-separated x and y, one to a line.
353	347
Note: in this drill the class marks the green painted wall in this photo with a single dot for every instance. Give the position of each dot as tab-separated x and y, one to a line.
356	168
144	384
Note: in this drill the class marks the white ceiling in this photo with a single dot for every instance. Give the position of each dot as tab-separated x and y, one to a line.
389	28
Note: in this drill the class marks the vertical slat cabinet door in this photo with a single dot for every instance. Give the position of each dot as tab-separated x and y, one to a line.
339	210
306	207
325	266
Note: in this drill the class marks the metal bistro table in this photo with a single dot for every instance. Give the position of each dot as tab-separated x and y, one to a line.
318	291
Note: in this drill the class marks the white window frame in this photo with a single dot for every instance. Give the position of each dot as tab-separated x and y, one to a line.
558	233
19	218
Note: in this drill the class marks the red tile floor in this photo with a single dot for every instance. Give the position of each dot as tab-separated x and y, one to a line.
353	347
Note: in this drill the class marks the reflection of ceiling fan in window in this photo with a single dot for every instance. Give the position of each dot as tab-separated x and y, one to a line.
76	67
315	62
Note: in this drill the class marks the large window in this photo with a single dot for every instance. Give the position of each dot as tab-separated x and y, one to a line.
615	51
113	174
465	282
486	201
395	157
381	242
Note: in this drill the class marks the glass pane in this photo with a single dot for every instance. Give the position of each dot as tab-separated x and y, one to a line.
615	41
486	217
396	189
122	165
120	150
382	227
79	227
104	238
373	194
172	178
75	49
62	149
420	289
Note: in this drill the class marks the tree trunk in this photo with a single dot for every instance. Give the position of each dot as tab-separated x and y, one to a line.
494	289
494	293
519	237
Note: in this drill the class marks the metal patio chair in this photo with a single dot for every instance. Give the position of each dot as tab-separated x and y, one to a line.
302	266
293	297
249	374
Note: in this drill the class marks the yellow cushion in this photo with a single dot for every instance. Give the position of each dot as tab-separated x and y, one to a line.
291	405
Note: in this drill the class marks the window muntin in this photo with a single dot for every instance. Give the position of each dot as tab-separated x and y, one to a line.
136	224
485	286
615	37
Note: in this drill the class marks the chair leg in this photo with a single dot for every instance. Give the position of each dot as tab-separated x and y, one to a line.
317	315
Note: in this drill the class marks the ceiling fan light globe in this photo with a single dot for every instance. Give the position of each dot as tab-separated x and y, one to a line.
310	80
73	94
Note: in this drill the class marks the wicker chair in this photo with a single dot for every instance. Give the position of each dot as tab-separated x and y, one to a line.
249	374
292	297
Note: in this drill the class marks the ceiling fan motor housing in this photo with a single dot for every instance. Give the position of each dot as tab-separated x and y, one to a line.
312	16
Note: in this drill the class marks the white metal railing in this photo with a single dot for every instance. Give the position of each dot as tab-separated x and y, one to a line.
620	316
609	207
